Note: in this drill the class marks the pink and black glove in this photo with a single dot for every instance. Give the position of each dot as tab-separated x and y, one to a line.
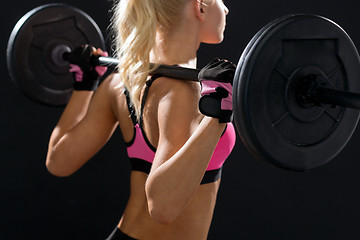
86	74
216	80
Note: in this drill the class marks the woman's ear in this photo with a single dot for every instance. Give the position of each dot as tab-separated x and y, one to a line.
199	9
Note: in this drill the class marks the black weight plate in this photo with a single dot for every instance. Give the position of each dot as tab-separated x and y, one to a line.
269	119
256	37
35	47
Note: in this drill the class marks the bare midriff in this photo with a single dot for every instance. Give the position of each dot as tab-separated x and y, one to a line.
192	223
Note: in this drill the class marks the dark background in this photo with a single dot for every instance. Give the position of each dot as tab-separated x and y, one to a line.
256	201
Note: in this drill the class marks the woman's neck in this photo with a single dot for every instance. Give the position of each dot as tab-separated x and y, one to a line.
175	51
179	45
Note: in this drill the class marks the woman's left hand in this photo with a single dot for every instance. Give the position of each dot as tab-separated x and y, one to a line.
216	80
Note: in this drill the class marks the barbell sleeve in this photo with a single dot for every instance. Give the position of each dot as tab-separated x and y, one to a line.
337	97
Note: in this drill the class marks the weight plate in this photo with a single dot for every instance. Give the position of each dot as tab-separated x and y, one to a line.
273	125
36	45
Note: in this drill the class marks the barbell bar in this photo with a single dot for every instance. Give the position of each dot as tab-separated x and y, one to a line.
311	94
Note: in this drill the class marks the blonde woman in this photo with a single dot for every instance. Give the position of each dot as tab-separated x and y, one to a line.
176	152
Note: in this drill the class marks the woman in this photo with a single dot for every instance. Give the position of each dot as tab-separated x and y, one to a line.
173	148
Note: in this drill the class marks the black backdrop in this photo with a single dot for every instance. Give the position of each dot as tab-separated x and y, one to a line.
256	200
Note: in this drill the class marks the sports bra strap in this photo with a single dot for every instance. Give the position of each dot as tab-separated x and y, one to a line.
130	107
148	85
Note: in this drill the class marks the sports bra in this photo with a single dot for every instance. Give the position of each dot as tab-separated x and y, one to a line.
141	153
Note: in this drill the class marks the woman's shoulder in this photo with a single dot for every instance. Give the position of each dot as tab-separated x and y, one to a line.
112	86
176	99
183	90
112	81
111	89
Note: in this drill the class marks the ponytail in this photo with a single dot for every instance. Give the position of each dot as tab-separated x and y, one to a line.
135	30
135	23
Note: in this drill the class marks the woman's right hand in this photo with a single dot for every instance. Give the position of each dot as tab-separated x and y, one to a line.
86	75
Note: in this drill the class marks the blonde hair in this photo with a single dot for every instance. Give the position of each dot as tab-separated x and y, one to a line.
135	23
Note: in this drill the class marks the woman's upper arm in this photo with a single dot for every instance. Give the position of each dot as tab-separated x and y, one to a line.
99	122
184	149
178	117
88	136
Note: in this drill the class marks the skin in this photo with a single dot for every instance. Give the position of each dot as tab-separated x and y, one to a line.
173	204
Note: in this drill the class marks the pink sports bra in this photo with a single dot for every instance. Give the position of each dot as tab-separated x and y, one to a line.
141	153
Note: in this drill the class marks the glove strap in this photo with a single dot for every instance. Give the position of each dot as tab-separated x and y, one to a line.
211	107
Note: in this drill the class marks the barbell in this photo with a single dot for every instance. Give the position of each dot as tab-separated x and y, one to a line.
295	90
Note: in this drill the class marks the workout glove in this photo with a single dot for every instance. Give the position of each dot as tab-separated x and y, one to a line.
86	74
216	80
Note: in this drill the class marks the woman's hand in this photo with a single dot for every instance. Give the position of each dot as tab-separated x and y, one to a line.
86	75
216	80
